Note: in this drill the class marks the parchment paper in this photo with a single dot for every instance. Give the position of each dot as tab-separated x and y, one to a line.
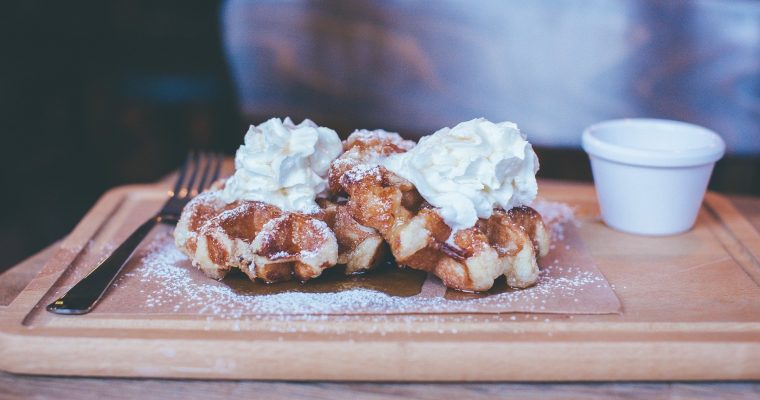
161	280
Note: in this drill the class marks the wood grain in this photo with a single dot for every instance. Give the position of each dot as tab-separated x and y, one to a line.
15	279
22	387
706	327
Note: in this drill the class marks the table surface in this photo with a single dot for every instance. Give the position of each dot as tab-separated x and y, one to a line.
16	386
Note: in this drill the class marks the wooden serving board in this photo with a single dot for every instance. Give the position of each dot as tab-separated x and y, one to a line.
691	310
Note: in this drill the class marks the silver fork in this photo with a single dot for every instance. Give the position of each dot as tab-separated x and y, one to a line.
83	296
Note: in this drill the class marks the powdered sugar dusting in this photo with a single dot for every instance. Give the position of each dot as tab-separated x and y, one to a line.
568	283
185	293
556	215
379	136
361	171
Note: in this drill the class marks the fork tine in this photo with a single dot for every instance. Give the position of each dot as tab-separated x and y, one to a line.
205	175
182	173
188	187
217	168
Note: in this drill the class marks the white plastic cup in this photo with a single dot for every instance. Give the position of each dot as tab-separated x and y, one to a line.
651	174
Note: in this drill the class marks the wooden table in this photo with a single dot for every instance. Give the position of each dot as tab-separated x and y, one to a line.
15	386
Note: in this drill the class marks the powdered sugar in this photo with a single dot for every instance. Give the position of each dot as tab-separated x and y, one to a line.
180	288
361	171
556	215
170	285
379	136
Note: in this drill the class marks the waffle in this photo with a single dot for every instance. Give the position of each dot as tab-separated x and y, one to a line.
364	149
266	243
360	248
369	212
507	243
292	245
260	239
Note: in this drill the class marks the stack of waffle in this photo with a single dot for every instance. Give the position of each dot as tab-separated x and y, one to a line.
366	213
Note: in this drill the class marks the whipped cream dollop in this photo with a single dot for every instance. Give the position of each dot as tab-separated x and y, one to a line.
468	170
283	164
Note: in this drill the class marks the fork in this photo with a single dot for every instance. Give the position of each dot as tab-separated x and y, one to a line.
83	296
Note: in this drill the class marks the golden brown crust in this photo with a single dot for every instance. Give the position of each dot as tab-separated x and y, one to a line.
243	220
469	259
360	248
370	206
364	149
361	245
259	238
293	245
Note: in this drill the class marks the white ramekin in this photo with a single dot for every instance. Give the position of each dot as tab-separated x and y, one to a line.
651	174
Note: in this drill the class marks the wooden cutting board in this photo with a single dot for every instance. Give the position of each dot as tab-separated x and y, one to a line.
691	310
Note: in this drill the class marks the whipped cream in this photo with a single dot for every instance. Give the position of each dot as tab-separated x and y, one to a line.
283	164
470	169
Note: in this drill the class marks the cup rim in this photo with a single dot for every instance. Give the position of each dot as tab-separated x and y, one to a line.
677	157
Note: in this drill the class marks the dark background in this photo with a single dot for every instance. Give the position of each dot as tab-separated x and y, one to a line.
99	94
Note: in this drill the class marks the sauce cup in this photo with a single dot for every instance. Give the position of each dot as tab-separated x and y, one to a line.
651	174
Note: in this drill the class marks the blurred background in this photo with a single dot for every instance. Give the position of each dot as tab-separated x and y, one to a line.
98	94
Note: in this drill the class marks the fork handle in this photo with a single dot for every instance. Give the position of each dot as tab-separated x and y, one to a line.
83	296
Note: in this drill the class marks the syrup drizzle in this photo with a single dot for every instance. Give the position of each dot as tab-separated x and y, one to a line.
386	278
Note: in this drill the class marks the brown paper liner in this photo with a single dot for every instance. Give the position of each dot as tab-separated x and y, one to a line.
160	280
